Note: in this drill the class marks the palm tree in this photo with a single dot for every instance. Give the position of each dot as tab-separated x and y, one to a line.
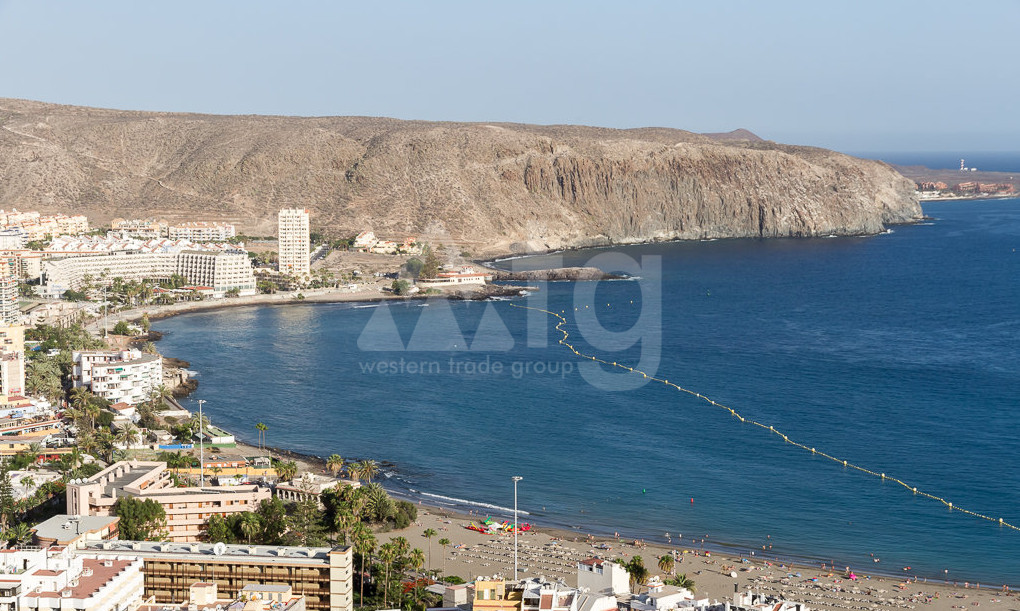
104	441
638	573
443	543
249	525
354	471
92	412
128	435
286	471
261	428
428	534
417	559
387	554
369	469
335	464
683	581
80	397
19	533
666	563
364	544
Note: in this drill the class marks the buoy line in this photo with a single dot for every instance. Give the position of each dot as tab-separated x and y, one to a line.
770	428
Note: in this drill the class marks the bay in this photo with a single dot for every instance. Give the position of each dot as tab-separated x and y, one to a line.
895	352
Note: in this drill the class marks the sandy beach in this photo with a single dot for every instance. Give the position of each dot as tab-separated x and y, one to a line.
554	554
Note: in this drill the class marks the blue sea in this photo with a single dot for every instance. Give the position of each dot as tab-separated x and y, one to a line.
897	352
950	160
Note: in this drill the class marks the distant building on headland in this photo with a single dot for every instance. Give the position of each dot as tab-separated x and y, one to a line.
366	241
455	276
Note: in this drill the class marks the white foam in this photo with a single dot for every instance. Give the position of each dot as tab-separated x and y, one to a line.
472	503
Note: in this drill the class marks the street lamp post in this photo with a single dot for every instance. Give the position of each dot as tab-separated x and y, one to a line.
201	445
516	479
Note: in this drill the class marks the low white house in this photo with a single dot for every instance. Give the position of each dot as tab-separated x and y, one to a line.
602	577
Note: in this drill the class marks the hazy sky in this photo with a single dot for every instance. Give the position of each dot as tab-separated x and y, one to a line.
854	75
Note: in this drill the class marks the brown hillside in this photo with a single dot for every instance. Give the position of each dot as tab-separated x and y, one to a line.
495	188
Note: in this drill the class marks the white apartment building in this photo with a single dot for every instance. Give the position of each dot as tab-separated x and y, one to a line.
34	579
118	376
12	364
12	238
222	271
10	309
219	269
295	242
68	273
139	228
202	231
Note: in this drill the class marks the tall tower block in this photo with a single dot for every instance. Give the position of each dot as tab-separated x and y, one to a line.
295	242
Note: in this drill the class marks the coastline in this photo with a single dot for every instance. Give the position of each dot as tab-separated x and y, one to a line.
424	502
551	552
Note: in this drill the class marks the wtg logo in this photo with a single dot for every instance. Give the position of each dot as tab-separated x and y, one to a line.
438	331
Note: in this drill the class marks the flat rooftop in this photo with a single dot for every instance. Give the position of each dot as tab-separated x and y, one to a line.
312	556
63	527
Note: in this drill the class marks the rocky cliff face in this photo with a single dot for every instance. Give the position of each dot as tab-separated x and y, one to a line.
490	188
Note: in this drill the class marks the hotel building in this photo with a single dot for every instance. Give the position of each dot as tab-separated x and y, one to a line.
295	242
220	269
323	576
187	509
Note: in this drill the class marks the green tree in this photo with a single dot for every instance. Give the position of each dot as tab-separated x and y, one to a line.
140	520
430	268
444	543
368	469
335	464
217	529
273	519
250	525
428	534
666	563
261	428
638	572
416	559
387	555
413	267
18	534
682	581
364	545
8	507
122	328
286	470
400	287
